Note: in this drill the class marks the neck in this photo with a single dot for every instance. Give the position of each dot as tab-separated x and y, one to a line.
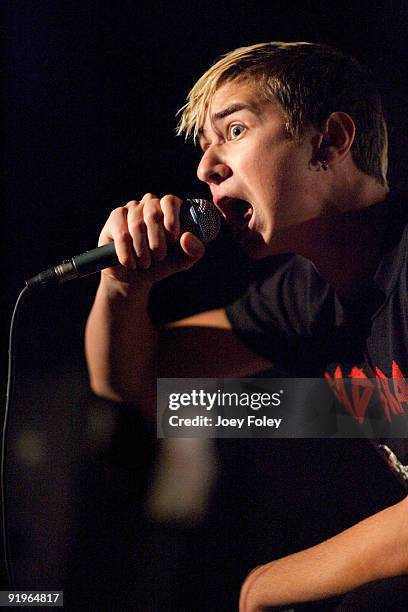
347	241
350	248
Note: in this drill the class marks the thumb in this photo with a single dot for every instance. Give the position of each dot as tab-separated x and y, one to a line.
192	247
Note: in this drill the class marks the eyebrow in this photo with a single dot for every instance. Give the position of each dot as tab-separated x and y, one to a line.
233	108
229	110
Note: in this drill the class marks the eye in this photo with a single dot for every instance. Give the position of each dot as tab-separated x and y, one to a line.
236	130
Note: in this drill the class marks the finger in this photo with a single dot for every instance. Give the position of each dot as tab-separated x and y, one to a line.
171	206
192	247
138	233
156	237
117	228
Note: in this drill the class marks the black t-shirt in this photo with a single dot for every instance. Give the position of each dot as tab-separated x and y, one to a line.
295	319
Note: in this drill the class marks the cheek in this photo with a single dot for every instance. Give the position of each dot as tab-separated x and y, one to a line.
274	163
272	179
264	170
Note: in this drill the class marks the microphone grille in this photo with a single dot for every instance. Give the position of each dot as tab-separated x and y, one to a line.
201	218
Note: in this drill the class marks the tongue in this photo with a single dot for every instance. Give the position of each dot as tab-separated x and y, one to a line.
242	213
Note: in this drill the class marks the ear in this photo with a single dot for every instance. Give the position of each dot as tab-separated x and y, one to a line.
337	137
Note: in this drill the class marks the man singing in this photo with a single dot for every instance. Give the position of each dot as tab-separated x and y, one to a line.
294	151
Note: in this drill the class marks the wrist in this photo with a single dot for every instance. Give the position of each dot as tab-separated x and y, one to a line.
114	288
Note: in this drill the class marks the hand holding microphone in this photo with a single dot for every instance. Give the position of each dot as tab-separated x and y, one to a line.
143	233
141	236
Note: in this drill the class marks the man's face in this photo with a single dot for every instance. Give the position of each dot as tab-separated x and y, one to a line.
260	178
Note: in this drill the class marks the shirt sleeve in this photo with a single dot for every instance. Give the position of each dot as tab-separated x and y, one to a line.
289	317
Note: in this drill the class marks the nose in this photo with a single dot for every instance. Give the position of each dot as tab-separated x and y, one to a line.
212	169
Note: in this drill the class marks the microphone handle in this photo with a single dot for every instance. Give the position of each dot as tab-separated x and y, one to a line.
78	266
95	260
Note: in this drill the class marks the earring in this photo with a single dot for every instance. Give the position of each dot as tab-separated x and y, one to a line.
325	164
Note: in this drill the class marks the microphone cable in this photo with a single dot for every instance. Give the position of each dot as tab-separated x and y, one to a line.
198	216
3	467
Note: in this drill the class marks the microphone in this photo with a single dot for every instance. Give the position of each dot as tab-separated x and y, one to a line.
197	216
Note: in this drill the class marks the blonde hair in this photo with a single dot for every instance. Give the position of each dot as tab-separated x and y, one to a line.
310	81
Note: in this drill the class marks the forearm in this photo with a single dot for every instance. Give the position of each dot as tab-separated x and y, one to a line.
373	549
120	342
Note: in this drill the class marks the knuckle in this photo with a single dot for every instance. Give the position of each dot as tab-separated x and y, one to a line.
150	196
121	235
117	212
171	199
136	226
153	213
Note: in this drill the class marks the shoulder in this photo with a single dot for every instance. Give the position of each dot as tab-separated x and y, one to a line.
392	272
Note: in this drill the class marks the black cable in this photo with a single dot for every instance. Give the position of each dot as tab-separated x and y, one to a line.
10	384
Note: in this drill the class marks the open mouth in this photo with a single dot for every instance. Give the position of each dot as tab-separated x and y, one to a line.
238	214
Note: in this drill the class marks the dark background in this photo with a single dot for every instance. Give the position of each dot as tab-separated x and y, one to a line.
89	96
